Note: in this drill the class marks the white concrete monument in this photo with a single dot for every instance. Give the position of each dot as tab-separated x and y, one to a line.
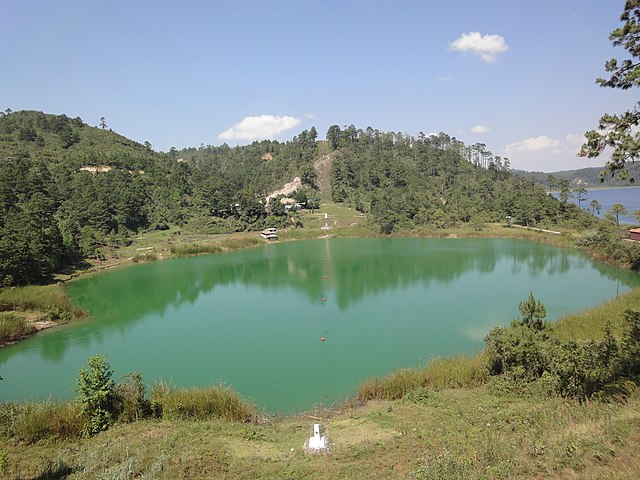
317	443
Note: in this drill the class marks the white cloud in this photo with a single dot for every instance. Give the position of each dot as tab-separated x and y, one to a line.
533	144
310	116
260	127
486	46
443	78
548	154
479	129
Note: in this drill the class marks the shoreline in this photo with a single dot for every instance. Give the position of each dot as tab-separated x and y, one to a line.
244	240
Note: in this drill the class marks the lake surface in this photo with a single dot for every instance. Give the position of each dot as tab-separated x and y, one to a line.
254	319
629	197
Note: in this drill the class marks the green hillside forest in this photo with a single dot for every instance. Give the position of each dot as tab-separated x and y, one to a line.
68	190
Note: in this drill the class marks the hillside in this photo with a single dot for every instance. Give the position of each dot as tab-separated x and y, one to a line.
58	138
70	191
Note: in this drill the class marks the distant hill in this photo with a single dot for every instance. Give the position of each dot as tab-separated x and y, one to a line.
584	177
59	138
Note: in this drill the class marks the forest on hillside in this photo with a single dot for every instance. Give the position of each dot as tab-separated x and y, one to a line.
405	182
69	190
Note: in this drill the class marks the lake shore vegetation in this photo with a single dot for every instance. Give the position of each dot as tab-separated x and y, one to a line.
26	310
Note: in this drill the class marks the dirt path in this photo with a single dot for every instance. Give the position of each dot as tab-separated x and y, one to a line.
322	167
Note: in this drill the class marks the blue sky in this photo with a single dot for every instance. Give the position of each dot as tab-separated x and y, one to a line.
518	76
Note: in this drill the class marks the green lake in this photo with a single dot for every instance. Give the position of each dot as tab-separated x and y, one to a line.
255	319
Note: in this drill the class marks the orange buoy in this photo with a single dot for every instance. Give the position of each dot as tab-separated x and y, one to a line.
323	339
324	299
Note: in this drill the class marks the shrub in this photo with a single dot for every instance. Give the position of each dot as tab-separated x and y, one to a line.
4	461
630	344
533	312
580	369
519	351
187	249
130	401
242	242
97	395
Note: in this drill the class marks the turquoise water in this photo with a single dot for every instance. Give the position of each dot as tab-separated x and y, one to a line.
254	319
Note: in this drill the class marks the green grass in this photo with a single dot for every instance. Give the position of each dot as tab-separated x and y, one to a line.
32	422
188	249
452	372
50	300
21	307
240	241
13	327
200	404
589	324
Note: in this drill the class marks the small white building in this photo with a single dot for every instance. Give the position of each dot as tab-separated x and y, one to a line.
269	234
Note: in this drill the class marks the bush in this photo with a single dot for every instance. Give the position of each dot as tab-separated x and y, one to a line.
519	351
241	242
579	369
144	257
4	461
130	401
630	345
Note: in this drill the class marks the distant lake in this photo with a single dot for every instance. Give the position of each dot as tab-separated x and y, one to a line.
255	319
628	196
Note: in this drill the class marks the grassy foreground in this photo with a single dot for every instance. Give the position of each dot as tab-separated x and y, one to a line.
447	434
449	420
